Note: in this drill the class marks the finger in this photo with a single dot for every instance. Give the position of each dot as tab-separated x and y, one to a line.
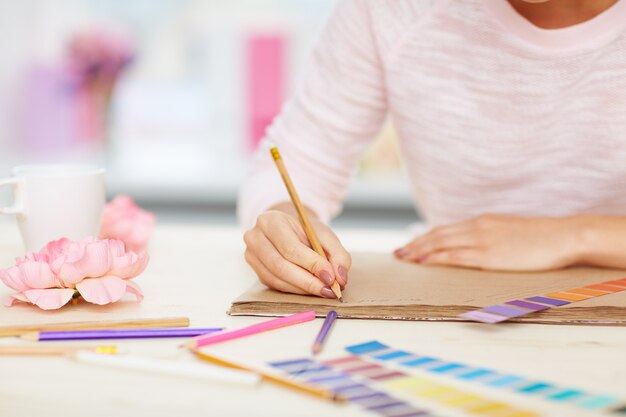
467	258
286	241
269	279
437	243
338	256
439	232
442	231
284	269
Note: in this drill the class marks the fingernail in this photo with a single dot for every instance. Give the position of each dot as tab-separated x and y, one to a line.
401	253
327	293
343	273
326	278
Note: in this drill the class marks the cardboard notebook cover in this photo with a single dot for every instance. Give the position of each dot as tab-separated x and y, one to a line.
382	287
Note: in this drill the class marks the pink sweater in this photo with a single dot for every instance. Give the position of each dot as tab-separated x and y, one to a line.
494	114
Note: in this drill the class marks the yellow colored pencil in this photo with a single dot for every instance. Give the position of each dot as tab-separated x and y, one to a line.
304	218
275	379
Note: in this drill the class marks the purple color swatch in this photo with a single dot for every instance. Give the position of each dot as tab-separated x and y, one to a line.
378	402
505	311
549	301
527	305
484	317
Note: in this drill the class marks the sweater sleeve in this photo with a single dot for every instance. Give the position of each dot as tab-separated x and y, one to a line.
321	133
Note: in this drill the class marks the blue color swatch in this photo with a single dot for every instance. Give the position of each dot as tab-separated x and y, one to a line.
488	377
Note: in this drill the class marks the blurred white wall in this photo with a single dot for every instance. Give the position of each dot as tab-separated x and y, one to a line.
177	128
185	49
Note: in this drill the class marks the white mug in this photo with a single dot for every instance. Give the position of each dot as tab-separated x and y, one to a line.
55	201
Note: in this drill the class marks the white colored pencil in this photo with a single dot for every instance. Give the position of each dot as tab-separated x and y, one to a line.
54	350
170	368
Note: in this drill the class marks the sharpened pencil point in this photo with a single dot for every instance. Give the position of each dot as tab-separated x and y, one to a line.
320	340
340	398
341	299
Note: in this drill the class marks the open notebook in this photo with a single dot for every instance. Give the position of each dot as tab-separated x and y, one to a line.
382	287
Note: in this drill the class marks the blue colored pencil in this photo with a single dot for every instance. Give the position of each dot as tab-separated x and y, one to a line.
119	334
318	345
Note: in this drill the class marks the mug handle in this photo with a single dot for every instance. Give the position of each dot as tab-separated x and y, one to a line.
16	208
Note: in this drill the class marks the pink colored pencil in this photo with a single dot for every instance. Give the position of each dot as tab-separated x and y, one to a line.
250	330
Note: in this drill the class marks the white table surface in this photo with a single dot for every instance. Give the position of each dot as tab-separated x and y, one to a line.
197	270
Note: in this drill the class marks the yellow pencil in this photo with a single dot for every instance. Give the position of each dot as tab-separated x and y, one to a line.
267	376
304	219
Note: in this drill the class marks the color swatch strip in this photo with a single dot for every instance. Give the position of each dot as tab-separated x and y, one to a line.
426	389
359	379
356	391
516	308
486	377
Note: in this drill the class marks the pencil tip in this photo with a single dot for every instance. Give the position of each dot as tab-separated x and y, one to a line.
341	299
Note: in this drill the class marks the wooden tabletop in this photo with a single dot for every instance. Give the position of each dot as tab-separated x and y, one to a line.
196	270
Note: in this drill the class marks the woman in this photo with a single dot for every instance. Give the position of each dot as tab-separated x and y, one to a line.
511	116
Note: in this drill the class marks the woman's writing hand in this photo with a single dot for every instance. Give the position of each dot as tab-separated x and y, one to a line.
279	252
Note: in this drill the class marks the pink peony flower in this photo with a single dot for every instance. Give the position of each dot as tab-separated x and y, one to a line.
126	221
100	271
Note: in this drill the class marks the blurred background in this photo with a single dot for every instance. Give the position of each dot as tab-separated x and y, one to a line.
171	96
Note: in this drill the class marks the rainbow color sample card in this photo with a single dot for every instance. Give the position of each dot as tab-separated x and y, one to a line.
397	383
489	378
498	313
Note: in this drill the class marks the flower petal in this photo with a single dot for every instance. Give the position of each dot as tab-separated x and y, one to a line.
103	290
129	265
94	263
12	278
8	302
55	248
49	299
126	221
37	275
116	247
134	289
31	256
28	275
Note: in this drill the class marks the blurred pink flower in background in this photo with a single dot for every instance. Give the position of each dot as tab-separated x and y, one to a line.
99	54
126	221
94	62
65	105
99	271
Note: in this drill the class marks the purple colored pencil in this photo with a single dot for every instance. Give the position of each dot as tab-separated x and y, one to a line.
318	345
120	334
